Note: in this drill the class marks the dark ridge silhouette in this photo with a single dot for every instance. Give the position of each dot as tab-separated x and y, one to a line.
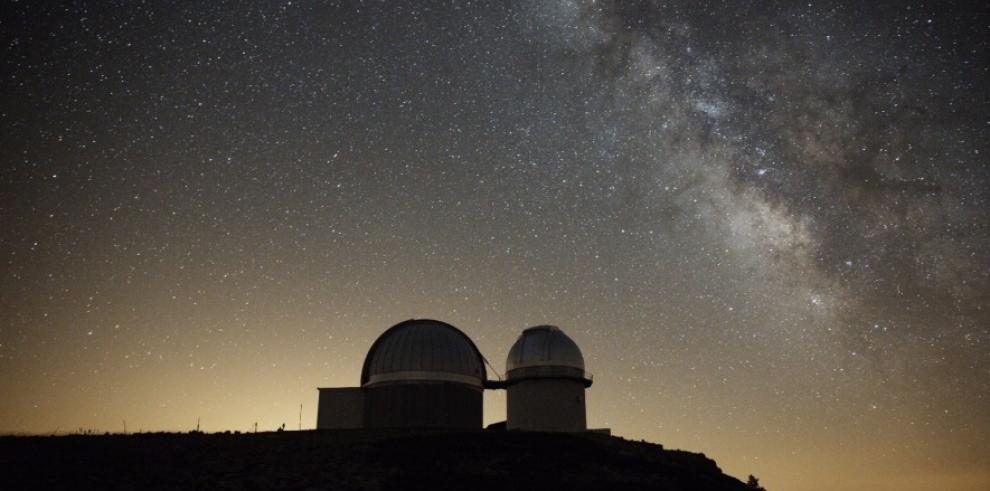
355	460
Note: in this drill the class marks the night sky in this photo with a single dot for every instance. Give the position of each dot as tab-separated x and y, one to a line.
765	223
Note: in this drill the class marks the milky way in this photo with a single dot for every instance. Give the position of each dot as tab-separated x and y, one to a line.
764	223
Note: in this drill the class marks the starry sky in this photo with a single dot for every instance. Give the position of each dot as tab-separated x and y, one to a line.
765	223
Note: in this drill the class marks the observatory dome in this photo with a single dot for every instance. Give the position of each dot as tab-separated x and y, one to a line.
423	350
545	382
544	346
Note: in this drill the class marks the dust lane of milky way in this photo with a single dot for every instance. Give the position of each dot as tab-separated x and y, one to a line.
765	224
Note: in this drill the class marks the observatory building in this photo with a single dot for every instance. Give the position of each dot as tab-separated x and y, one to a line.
545	382
424	373
420	373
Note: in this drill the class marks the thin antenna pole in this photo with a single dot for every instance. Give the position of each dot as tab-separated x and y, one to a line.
125	426
300	417
197	425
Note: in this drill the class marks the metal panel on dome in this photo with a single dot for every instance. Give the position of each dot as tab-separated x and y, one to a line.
544	346
423	350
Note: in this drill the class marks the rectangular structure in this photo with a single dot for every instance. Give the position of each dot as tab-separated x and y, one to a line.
543	404
423	405
340	408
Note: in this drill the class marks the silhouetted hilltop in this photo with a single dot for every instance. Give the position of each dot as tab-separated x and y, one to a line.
354	459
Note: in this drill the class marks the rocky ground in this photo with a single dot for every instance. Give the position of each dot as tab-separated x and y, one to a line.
352	460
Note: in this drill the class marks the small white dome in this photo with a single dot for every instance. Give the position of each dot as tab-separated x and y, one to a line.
544	346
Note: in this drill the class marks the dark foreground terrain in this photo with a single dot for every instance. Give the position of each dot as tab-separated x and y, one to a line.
353	459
